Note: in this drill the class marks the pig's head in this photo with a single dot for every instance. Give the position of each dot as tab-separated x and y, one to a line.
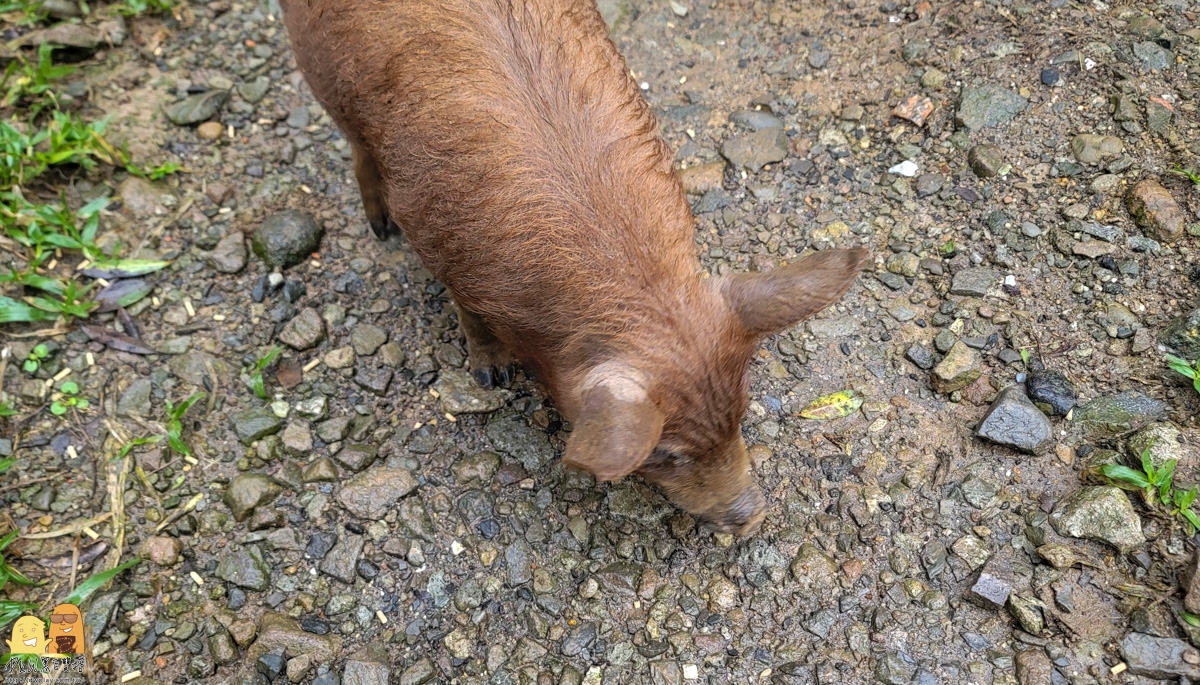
671	410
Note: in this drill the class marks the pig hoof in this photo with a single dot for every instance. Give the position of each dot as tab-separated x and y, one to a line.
484	378
507	374
383	227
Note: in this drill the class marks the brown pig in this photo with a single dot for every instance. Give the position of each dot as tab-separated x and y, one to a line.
508	142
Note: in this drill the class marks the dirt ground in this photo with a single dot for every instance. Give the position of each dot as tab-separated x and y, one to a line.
380	519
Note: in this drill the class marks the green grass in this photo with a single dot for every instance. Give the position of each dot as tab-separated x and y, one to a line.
1156	487
10	610
32	11
8	573
1182	366
1189	174
254	377
136	7
175	423
29	83
63	140
37	139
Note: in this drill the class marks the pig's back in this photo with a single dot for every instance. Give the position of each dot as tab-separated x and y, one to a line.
516	150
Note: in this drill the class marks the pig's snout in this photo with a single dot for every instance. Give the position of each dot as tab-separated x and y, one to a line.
742	517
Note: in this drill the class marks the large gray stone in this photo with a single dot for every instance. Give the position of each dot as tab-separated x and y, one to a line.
1163	442
286	238
244	566
305	331
248	491
458	393
1101	513
1090	148
1116	414
279	632
370	494
960	368
135	401
987	105
1182	336
1160	657
254	423
1015	422
756	149
973	282
364	673
342	560
196	109
229	256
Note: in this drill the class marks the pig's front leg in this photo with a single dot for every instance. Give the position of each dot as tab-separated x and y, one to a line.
490	360
370	186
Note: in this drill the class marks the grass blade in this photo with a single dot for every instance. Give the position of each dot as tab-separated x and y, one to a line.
12	311
88	587
1125	474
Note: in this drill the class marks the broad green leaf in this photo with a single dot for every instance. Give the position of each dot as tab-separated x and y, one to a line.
1125	474
832	406
178	445
88	587
70	388
266	360
178	412
41	351
12	311
1187	497
125	268
17	577
1147	463
50	285
58	408
1181	366
1166	473
94	206
1192	520
256	384
12	610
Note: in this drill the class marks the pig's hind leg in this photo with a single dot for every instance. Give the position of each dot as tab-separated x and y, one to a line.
370	185
491	361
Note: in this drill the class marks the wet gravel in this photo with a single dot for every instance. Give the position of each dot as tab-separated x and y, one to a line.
379	518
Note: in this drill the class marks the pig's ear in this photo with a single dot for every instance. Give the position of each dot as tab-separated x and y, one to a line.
618	424
769	302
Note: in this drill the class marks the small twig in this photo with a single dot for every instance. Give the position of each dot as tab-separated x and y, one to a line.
72	528
17	486
44	333
212	395
75	560
187	507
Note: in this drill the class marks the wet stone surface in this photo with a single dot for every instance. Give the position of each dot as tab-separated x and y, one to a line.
1014	421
